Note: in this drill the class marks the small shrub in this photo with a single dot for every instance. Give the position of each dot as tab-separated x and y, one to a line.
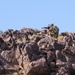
60	38
21	40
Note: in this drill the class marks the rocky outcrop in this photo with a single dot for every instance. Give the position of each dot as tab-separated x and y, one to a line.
34	52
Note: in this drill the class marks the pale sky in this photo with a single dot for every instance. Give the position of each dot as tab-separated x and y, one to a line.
16	14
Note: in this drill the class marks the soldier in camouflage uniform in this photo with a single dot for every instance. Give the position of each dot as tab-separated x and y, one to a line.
52	30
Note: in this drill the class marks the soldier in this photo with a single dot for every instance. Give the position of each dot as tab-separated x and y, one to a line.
52	30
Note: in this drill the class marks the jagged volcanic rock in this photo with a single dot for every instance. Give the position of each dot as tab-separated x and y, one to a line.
37	52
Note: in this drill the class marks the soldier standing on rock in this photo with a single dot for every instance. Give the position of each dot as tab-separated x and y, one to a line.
52	30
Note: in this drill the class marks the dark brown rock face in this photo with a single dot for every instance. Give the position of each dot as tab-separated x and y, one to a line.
33	52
